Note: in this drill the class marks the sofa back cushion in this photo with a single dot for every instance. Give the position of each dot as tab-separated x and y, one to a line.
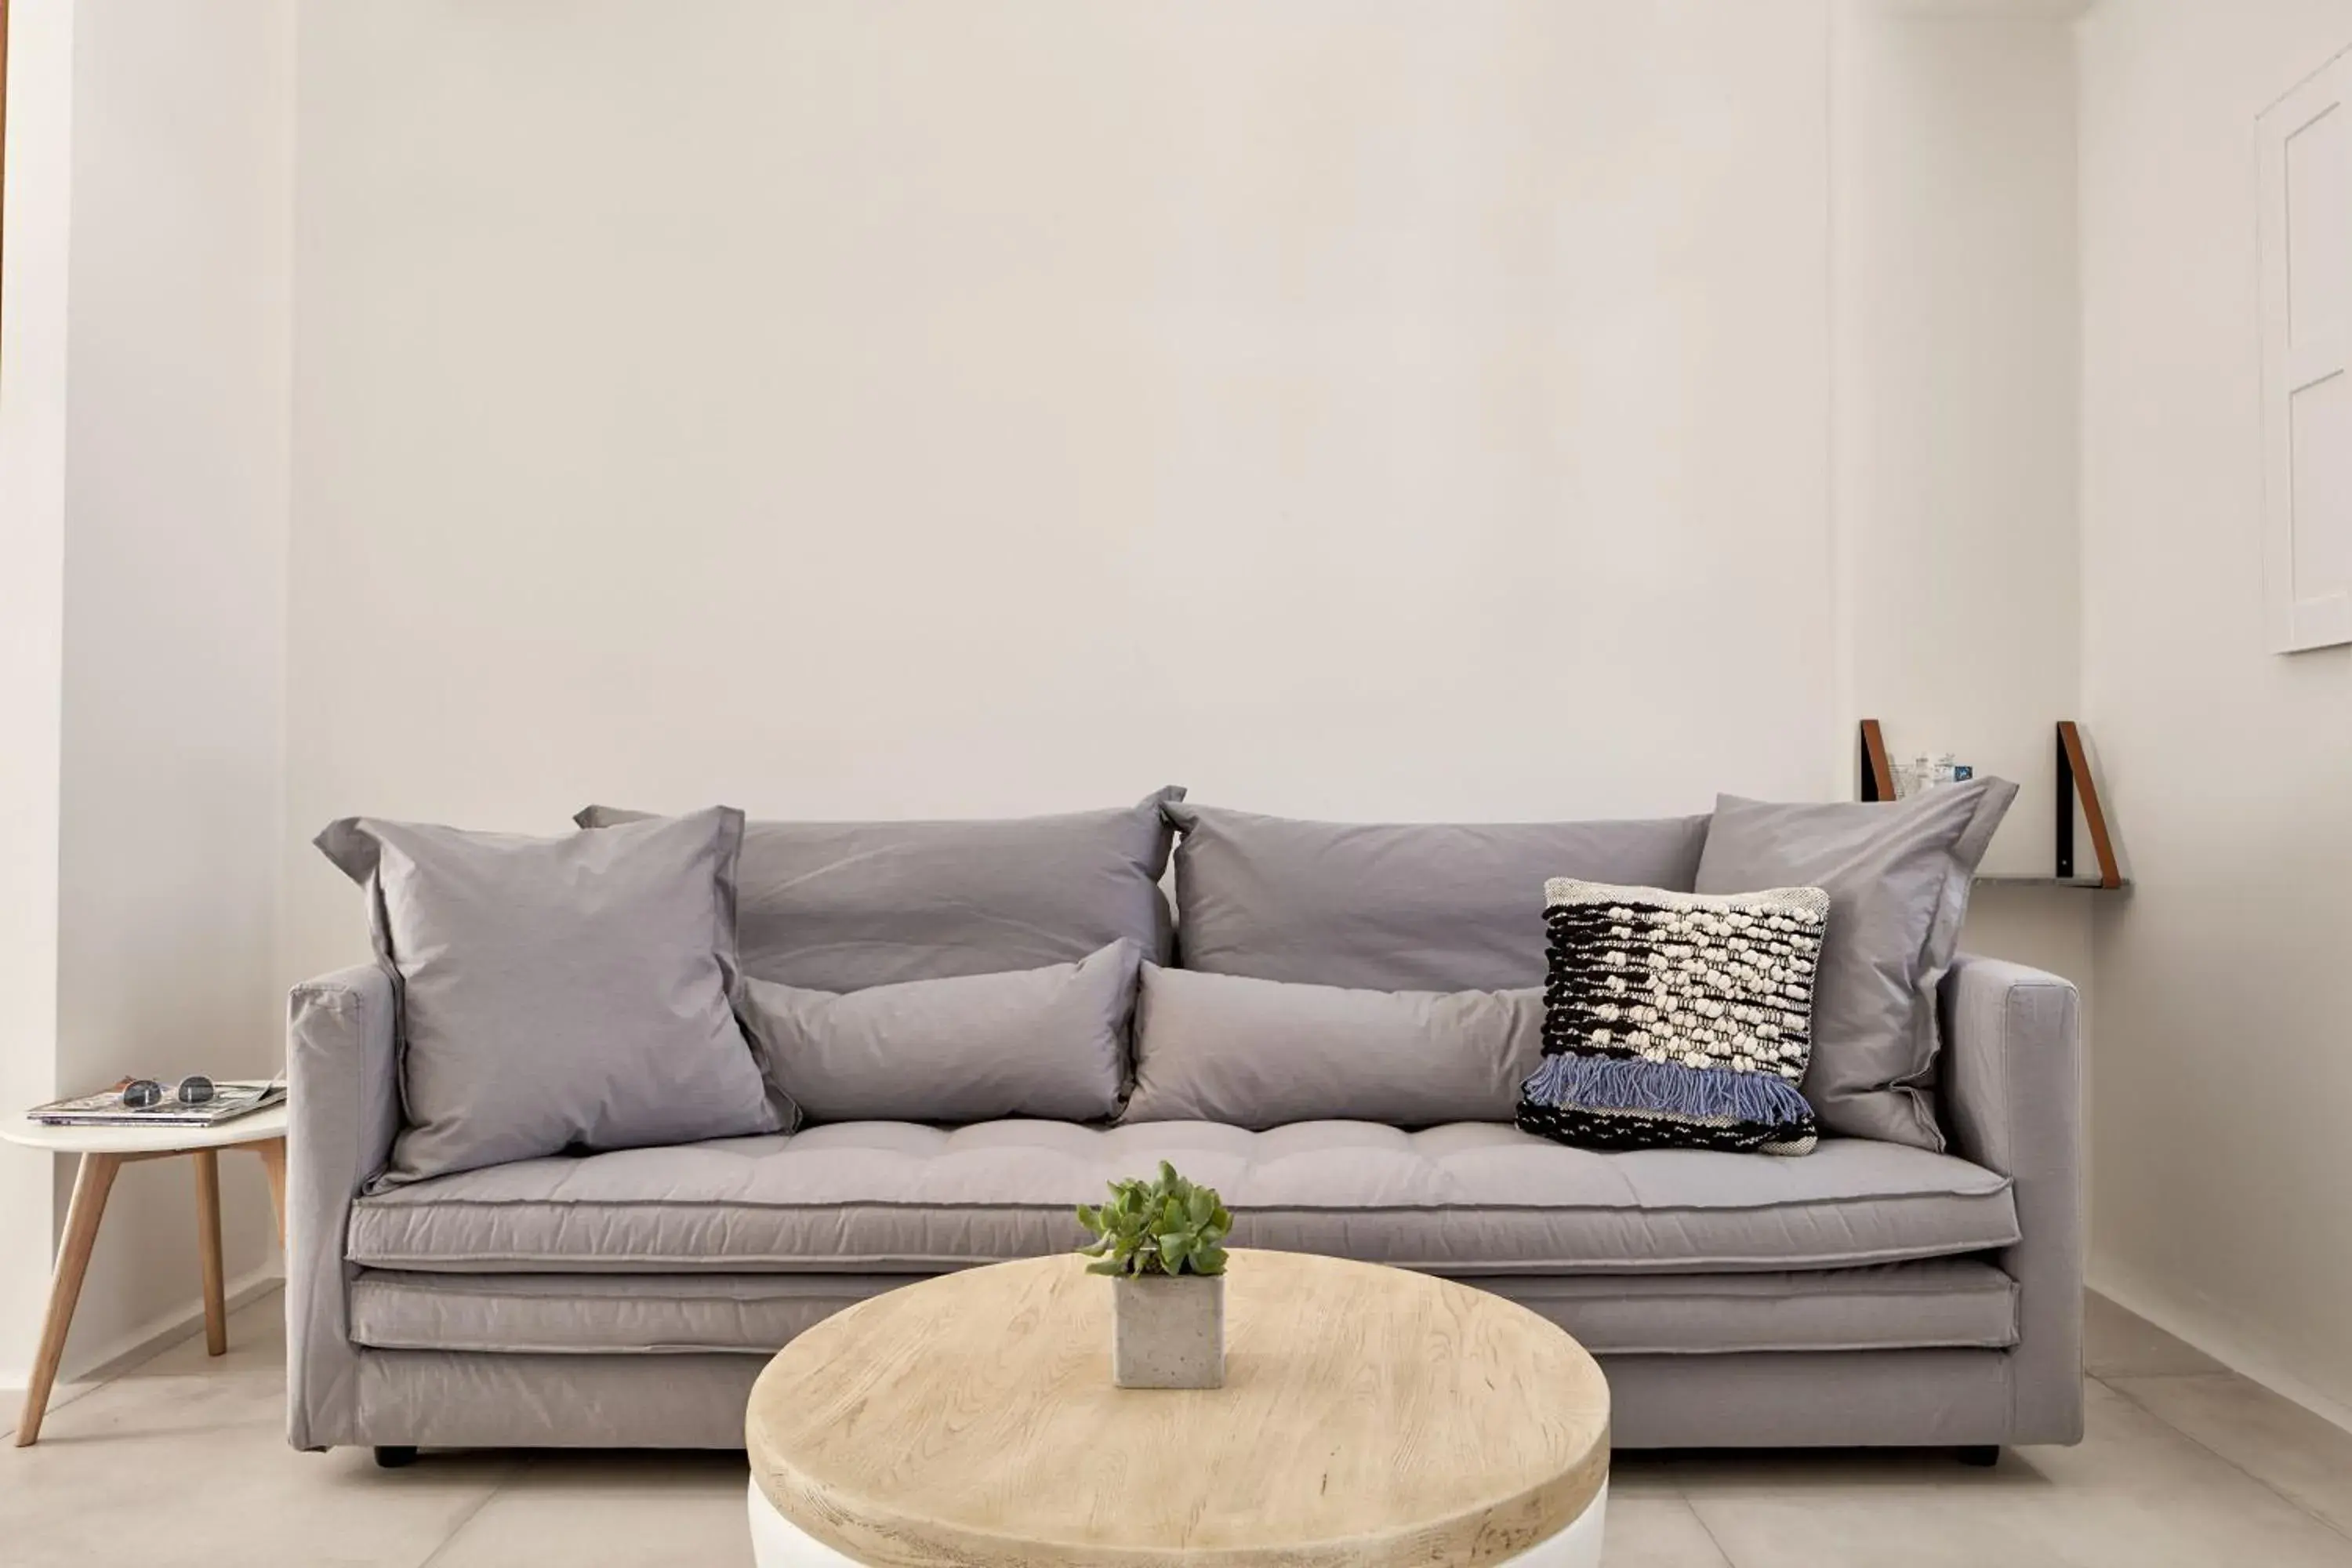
840	906
1897	875
1264	1053
1048	1042
557	993
1412	906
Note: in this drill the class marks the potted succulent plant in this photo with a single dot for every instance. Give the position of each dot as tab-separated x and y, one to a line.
1162	1242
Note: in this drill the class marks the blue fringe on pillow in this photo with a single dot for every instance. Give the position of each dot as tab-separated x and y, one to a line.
1571	1081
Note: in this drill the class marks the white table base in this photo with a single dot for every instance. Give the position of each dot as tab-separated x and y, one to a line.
777	1543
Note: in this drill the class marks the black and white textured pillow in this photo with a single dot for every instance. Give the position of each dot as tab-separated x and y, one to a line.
1677	1020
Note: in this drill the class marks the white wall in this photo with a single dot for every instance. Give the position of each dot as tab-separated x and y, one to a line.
175	546
32	629
1354	409
1956	325
1357	409
1956	322
168	643
1379	412
1376	410
2224	1051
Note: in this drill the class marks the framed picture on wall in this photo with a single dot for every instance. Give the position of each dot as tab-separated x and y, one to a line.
2305	150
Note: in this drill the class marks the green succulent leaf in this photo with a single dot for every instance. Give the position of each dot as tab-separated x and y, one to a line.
1162	1226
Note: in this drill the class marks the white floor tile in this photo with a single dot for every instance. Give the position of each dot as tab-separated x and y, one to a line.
2135	1492
2159	1482
2117	1343
2268	1435
616	1511
1650	1532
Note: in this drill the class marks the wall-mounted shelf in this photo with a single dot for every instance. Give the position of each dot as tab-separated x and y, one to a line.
1875	773
2074	779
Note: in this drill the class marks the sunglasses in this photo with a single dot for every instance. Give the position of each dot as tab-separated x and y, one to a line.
142	1093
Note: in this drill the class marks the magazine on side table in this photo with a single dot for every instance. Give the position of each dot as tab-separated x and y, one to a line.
232	1098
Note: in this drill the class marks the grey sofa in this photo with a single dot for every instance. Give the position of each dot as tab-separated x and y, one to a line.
1870	1293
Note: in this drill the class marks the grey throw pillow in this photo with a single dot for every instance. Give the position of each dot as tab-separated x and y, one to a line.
1377	906
1261	1053
1048	1042
1898	877
840	906
559	993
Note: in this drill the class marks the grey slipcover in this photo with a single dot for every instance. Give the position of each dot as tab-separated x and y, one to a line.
1464	1198
342	1095
2014	1101
2009	1099
1260	1053
559	993
1048	1042
1400	905
1897	875
1941	1302
840	906
1857	1399
598	1315
462	1399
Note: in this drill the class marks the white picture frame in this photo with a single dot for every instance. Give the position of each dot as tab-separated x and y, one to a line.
2305	149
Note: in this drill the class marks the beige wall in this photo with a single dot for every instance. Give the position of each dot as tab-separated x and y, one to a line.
851	409
32	625
1377	410
1512	410
1505	410
1956	325
164	396
2224	1049
1955	328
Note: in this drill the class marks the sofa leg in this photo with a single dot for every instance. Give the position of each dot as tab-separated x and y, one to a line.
391	1457
1984	1455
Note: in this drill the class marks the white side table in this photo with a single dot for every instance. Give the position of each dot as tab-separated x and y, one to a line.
106	1150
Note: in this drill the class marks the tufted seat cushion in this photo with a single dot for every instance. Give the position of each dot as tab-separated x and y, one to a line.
1464	1198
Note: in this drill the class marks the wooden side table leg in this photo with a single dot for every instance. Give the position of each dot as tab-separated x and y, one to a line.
92	1181
273	1162
208	1250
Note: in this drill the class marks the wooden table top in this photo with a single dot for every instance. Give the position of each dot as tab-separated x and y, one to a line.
1370	1417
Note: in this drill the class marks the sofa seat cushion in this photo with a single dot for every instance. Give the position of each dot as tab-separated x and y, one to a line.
1464	1198
1942	1303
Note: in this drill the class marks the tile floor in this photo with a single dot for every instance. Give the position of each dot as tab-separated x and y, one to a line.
2186	1464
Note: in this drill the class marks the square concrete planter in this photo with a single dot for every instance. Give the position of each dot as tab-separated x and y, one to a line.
1167	1331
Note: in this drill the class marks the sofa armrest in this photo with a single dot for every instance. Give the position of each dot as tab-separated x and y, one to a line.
343	1088
2013	1101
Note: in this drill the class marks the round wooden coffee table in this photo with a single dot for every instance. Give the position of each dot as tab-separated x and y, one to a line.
1370	1417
